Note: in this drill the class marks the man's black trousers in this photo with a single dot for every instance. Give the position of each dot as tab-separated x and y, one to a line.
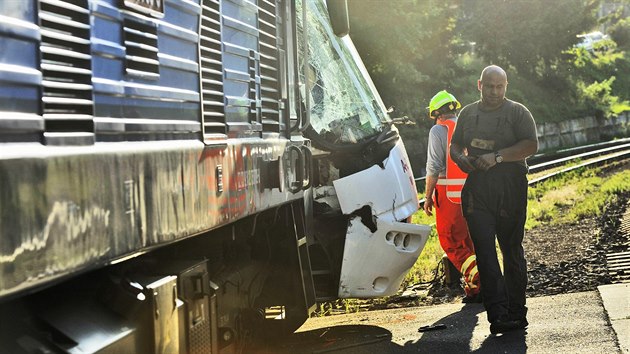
494	203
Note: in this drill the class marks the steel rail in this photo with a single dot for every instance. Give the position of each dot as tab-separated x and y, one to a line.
553	163
595	162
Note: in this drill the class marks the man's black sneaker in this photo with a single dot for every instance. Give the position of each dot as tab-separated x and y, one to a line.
521	319
522	322
505	324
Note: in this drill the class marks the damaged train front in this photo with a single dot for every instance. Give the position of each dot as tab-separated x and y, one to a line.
364	191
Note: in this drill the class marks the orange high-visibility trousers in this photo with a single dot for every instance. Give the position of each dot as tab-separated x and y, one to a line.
454	238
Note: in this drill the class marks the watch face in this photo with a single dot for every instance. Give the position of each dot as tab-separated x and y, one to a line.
498	158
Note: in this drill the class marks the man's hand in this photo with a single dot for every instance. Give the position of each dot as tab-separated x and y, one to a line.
485	161
428	206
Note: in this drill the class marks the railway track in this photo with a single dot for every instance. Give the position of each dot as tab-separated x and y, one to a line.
618	263
549	169
545	157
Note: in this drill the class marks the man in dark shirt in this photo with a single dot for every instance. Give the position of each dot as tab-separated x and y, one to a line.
492	139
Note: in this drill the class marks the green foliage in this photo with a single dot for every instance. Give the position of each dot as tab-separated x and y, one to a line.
620	33
594	76
619	25
415	48
541	55
407	45
599	96
621	86
527	36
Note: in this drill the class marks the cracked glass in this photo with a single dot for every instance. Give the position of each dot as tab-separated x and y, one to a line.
344	105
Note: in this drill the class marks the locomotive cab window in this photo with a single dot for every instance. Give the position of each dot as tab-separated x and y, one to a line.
344	107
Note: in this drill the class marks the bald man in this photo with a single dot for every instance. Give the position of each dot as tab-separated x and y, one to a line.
491	141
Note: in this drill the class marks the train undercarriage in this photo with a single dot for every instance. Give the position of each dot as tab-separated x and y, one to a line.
251	268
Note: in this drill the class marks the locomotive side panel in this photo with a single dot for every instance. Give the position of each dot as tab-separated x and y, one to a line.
73	208
20	79
145	72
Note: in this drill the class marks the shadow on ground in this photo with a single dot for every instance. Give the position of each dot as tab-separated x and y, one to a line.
456	337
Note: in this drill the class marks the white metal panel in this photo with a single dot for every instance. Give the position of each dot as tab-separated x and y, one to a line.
389	191
375	264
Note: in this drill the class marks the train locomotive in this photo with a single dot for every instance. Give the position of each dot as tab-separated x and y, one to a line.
181	176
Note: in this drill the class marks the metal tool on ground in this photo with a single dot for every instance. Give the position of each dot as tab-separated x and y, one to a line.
433	327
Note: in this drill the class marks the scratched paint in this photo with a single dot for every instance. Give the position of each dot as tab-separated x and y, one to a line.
70	209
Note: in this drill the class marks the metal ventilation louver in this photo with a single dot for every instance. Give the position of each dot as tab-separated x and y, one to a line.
269	65
141	46
212	93
67	102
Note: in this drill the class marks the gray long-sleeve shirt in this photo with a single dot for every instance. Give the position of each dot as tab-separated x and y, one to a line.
436	150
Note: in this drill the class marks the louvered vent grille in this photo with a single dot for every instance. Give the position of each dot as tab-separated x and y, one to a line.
212	71
269	64
141	48
67	102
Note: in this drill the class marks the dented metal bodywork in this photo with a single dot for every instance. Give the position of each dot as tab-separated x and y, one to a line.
376	262
379	252
365	180
388	188
363	223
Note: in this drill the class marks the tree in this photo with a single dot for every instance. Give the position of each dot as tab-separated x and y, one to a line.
528	36
599	81
414	48
407	46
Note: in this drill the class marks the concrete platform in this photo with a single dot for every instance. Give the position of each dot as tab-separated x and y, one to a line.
616	298
568	323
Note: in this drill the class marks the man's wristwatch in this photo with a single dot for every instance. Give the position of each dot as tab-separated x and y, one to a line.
498	158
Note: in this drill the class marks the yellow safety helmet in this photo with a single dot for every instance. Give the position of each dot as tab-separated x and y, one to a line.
439	100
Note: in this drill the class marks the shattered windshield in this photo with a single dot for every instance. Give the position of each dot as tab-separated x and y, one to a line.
344	106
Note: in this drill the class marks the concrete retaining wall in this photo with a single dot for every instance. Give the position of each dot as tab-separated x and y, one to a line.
581	131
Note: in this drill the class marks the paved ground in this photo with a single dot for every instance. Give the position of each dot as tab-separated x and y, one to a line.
568	323
616	299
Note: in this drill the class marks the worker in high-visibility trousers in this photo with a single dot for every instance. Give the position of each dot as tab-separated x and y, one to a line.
444	182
